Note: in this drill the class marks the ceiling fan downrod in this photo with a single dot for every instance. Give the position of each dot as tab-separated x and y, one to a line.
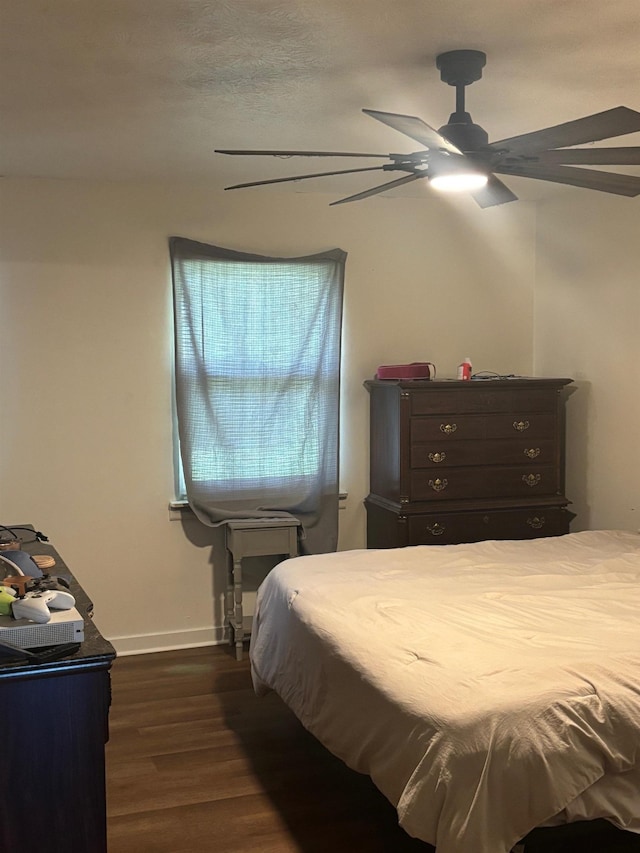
460	68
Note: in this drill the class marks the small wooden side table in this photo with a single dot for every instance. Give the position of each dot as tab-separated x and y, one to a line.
253	537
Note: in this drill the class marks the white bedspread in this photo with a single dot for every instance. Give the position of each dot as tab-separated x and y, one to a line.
485	688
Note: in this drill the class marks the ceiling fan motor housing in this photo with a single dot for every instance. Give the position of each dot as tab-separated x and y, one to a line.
464	134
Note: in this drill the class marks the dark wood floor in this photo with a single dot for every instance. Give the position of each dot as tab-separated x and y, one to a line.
196	762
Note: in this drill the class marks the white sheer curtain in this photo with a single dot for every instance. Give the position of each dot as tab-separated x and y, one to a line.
257	351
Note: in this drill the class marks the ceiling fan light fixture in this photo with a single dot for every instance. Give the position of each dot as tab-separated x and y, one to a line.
459	181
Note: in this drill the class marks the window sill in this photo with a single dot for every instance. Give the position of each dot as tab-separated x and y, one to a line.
179	509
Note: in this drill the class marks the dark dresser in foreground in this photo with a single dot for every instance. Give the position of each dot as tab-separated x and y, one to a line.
463	461
54	729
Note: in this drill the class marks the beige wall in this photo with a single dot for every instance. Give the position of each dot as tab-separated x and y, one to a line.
85	359
587	326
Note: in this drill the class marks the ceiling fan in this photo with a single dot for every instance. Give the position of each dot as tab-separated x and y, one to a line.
460	156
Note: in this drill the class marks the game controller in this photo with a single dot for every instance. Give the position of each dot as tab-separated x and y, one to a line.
7	598
22	584
36	605
50	582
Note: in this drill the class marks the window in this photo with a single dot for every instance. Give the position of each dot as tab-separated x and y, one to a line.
257	380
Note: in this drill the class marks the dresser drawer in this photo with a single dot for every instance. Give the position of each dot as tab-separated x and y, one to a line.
450	528
442	454
479	399
452	427
483	482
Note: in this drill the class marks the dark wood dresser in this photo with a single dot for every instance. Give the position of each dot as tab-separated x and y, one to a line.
54	729
456	461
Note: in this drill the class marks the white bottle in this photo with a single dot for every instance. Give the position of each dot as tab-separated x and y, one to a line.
464	369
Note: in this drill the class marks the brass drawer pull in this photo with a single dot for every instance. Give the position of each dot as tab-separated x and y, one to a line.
521	425
437	457
531	479
536	522
448	429
435	529
532	452
438	485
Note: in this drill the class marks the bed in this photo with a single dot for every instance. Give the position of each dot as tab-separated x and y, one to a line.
487	689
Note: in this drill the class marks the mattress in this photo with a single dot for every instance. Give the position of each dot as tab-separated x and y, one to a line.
487	689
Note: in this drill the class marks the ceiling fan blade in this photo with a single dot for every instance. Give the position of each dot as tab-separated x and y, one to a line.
608	182
303	177
380	189
495	192
299	153
593	156
610	123
415	128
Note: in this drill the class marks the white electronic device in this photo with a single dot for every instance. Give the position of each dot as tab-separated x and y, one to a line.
64	626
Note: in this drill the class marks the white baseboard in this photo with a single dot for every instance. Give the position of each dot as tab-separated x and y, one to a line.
140	644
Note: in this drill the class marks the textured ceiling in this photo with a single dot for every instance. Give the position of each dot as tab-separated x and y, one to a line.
146	89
